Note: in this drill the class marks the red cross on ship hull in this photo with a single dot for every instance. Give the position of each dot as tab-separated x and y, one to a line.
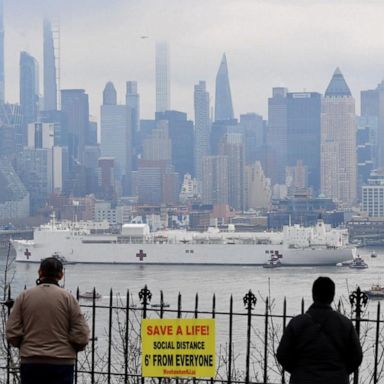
141	255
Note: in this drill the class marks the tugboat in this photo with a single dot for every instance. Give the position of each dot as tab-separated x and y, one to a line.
376	292
358	263
273	262
89	295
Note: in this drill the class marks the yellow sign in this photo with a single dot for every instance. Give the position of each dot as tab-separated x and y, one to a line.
178	347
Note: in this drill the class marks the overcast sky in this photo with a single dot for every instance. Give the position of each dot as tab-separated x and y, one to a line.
269	43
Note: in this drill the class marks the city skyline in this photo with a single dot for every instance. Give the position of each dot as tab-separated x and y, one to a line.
263	52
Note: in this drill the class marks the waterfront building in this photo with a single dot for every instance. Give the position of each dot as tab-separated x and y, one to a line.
277	134
373	195
338	142
29	90
223	98
50	81
116	132
202	126
163	80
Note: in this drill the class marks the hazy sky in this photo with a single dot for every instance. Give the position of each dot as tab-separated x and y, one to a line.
291	43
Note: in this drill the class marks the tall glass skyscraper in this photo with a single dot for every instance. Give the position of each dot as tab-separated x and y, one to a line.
50	85
29	89
202	126
223	98
163	88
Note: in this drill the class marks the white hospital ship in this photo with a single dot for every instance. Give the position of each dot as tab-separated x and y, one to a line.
77	242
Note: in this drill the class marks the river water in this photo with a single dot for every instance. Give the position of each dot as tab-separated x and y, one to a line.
294	283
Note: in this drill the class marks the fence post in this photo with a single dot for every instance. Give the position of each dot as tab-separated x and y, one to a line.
376	343
145	297
266	340
358	299
249	301
230	340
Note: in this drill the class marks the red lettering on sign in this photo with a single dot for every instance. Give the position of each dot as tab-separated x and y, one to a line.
198	330
159	330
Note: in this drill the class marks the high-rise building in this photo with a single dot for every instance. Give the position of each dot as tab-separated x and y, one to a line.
132	100
372	106
277	134
115	130
303	134
2	86
215	180
14	197
157	180
233	148
75	107
109	94
338	141
253	128
11	130
257	187
373	195
29	88
50	84
223	98
182	138
163	81
366	141
202	126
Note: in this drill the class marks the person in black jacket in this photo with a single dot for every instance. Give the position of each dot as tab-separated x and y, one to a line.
320	346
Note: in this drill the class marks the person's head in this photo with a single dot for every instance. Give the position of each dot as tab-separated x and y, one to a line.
323	290
51	268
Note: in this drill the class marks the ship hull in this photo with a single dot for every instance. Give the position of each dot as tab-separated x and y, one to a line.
76	250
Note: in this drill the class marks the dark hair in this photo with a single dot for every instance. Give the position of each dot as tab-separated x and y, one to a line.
323	290
51	267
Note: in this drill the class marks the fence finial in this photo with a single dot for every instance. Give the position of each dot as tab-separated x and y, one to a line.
249	300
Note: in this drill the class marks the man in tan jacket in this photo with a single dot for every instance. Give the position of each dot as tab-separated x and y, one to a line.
47	325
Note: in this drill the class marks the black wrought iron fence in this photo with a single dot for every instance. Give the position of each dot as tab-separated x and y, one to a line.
247	335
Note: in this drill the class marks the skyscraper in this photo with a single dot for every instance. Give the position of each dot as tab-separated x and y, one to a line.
75	108
338	141
29	89
372	107
181	134
2	87
277	134
303	134
115	129
233	148
50	85
163	88
202	126
109	94
132	100
223	98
